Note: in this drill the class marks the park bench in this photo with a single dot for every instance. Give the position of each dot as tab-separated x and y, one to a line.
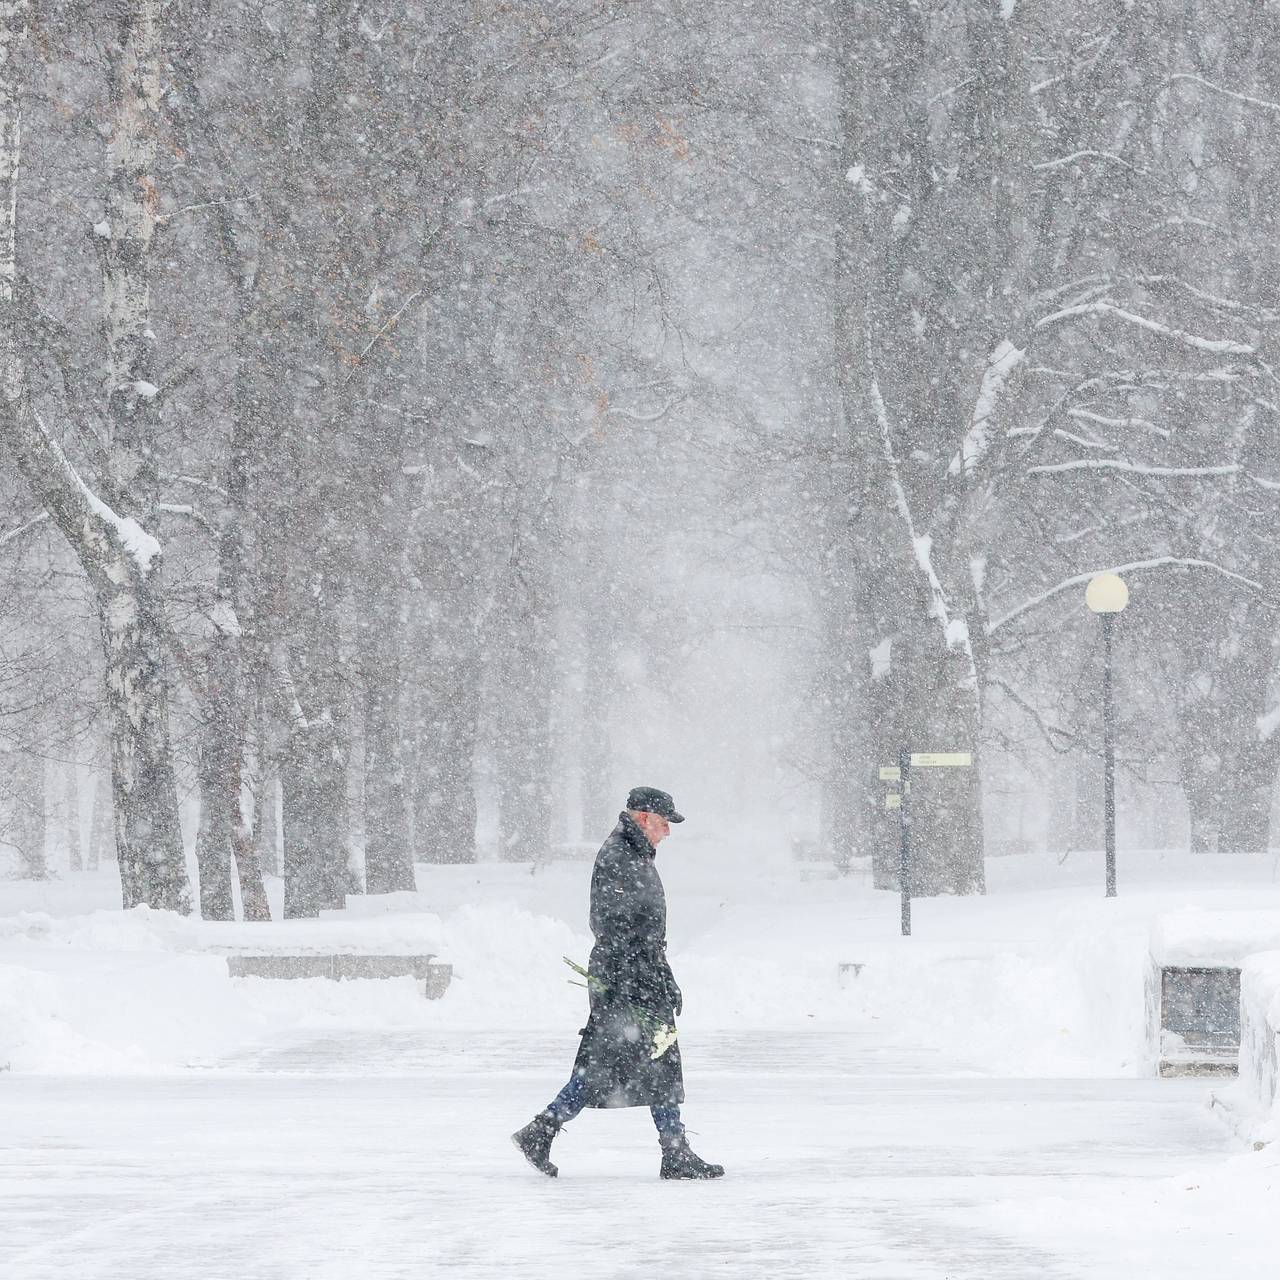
342	966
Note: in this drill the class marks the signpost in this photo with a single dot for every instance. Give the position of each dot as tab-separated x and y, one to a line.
901	774
904	842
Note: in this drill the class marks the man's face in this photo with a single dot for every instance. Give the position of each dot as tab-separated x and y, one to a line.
654	825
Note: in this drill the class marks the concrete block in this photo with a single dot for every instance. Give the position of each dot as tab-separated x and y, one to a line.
434	976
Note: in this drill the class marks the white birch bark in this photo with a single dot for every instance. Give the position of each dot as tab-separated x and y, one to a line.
132	203
118	555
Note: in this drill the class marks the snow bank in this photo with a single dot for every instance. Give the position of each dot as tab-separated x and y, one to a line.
1252	1105
1030	980
1193	938
1259	1033
149	990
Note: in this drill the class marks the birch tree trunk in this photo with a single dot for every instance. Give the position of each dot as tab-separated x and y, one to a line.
124	239
119	556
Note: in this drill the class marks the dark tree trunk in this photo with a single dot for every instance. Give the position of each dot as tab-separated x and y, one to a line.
218	774
266	822
448	728
316	871
1227	768
313	773
923	705
253	893
388	849
849	787
227	707
522	738
71	815
388	861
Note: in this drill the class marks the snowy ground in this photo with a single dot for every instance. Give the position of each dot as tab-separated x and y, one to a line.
971	1104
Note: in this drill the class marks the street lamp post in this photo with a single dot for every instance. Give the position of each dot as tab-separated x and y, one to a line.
1106	596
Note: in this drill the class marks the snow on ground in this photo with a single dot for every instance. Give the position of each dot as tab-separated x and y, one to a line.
972	1101
1043	976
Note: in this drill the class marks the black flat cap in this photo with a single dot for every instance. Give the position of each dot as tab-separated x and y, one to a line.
651	800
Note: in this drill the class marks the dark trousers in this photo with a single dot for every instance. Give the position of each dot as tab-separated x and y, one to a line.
568	1103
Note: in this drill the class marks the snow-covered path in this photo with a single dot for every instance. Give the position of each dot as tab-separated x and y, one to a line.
387	1156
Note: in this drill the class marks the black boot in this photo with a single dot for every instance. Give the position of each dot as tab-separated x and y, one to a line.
679	1161
534	1142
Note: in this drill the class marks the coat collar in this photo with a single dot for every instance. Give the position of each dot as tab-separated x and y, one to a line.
636	838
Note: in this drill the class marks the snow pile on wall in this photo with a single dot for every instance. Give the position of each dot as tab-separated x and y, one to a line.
1210	939
1260	1041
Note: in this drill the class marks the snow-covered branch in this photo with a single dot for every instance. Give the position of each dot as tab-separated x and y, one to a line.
287	691
1001	364
191	513
1135	468
1262	103
1086	415
655	415
1082	579
204	204
1266	315
196	482
1063	161
1060	433
955	632
1215	346
14	534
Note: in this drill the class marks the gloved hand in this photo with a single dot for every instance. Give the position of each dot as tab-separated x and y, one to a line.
677	1000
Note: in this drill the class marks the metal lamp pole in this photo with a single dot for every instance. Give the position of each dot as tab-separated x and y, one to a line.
1106	596
1108	760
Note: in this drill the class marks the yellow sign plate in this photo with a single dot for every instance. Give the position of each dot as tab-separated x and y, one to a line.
890	773
893	802
941	759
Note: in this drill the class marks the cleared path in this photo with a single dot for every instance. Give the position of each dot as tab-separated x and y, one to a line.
378	1157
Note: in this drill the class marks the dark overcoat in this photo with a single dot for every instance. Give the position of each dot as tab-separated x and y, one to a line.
632	987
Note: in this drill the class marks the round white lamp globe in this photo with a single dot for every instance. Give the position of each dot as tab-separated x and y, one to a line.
1106	593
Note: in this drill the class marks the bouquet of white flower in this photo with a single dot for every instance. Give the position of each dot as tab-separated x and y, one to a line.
662	1034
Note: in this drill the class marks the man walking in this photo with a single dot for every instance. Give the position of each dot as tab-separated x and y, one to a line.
628	1056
